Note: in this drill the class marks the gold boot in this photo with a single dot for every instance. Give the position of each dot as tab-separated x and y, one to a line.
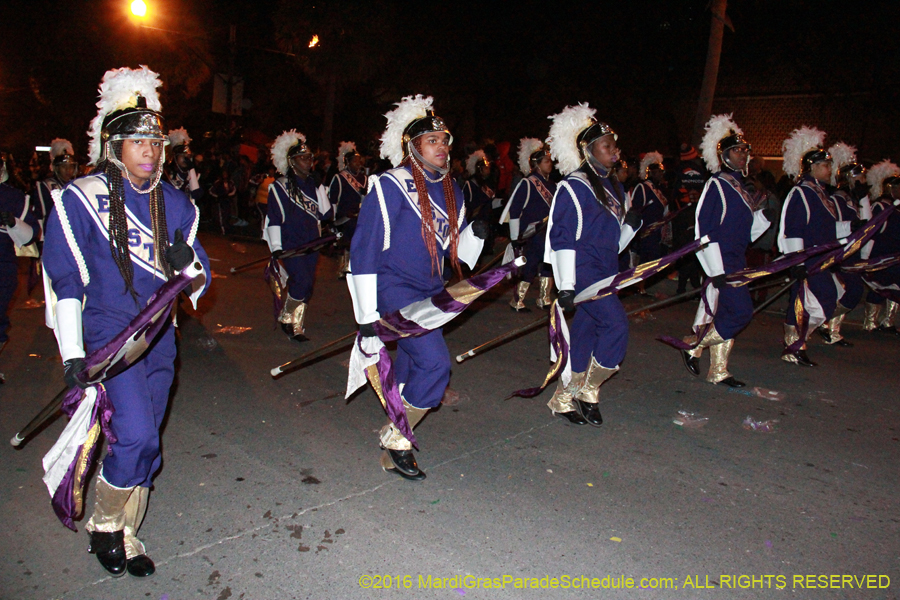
562	403
890	313
518	300
107	525
870	318
798	357
831	329
593	379
391	437
298	319
344	266
109	507
718	364
292	316
135	509
397	456
139	564
587	398
545	299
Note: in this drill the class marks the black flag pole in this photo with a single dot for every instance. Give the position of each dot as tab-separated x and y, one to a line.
510	335
42	417
773	298
312	246
309	356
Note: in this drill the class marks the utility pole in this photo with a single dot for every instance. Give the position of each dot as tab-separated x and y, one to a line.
711	73
232	53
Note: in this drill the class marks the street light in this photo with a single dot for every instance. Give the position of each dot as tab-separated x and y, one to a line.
139	8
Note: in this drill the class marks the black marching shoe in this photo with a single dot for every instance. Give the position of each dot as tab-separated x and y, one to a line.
572	417
110	551
692	364
404	464
801	358
590	412
141	566
826	336
731	382
885	329
288	329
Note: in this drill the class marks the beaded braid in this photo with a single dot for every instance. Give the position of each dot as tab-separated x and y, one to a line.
428	234
160	229
118	224
599	191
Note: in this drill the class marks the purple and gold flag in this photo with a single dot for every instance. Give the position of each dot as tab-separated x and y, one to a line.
558	331
275	274
654	227
807	310
68	462
872	264
370	359
619	281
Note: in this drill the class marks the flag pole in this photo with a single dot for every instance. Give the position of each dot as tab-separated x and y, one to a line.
42	417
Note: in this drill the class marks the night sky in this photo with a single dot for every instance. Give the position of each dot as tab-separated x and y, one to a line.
496	69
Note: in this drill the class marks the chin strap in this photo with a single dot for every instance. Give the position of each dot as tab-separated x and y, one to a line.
157	172
593	163
422	161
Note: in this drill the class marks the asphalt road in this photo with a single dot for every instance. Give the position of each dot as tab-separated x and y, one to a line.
272	489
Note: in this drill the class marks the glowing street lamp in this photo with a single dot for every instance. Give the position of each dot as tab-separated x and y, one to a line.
139	8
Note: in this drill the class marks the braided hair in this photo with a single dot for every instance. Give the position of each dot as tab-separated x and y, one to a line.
118	223
599	191
428	234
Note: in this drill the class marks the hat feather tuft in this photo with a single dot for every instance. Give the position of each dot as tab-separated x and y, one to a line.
795	147
120	89
564	134
527	147
408	110
280	147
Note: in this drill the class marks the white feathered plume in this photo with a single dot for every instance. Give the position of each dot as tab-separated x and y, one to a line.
527	147
473	161
718	127
179	137
841	156
877	174
344	148
280	147
60	146
408	110
118	90
651	158
801	141
564	132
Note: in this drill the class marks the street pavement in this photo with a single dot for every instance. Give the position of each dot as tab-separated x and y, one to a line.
271	489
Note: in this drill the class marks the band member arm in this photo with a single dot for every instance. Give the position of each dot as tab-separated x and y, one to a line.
68	328
710	258
563	263
364	293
